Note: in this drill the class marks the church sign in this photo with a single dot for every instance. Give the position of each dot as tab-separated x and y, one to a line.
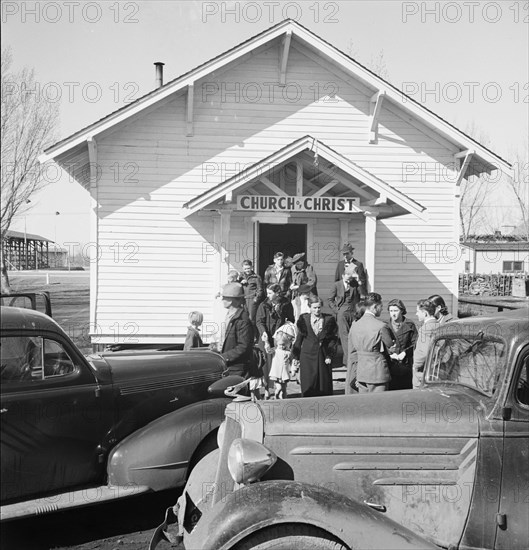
287	203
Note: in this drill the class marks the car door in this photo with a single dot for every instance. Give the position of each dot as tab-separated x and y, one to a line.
513	523
51	416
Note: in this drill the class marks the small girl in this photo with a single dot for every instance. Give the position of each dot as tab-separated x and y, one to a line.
281	362
193	339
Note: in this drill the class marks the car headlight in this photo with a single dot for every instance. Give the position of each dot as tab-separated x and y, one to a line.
249	460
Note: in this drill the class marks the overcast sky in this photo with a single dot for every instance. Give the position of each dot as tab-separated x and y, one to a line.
466	61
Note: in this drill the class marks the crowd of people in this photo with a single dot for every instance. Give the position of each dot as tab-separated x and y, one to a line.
281	315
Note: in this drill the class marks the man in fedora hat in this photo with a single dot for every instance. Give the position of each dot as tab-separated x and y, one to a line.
342	300
304	281
349	260
238	336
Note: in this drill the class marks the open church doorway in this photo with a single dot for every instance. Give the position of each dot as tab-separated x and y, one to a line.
290	238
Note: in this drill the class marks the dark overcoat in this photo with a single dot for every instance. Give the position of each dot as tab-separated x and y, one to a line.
311	350
238	343
404	339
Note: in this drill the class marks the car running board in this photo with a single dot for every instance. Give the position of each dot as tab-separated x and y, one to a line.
70	499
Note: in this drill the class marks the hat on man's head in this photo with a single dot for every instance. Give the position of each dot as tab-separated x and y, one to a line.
347	247
232	290
298	257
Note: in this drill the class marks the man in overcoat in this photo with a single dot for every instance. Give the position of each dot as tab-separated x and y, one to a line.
344	296
369	338
238	337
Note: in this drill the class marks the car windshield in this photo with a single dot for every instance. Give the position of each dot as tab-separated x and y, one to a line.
473	362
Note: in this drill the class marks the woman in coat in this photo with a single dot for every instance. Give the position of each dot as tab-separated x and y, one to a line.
315	347
271	314
403	332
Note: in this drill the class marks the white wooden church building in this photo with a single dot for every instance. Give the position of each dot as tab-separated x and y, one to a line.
281	143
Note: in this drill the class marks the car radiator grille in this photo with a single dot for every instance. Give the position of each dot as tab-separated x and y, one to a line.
155	385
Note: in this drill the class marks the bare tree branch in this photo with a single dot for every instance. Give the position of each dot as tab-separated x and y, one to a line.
28	124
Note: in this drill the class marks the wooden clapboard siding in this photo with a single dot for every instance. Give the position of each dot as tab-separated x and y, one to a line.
160	169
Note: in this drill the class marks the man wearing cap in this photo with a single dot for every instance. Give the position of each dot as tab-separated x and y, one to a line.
348	259
278	273
303	283
238	337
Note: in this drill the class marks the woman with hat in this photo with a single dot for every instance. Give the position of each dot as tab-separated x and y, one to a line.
237	341
304	281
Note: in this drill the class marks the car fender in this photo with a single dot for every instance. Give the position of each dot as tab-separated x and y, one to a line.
159	454
262	505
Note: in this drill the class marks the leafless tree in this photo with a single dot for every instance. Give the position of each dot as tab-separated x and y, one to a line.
376	63
519	186
475	195
28	126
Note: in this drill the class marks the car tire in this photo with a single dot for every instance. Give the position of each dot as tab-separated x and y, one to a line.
290	537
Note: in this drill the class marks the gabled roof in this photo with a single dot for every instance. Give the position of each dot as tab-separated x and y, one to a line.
289	152
489	160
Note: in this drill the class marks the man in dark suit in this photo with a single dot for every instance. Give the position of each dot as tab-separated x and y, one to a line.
344	295
350	261
372	343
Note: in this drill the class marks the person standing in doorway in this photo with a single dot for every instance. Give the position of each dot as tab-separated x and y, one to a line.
278	273
304	282
350	260
370	339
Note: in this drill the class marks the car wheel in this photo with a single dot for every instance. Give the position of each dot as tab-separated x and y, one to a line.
290	537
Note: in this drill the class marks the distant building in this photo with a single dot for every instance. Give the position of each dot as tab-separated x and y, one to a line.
27	251
498	255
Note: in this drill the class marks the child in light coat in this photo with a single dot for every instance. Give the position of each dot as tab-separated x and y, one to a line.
284	338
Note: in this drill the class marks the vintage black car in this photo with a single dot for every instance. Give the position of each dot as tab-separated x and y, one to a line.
79	430
445	466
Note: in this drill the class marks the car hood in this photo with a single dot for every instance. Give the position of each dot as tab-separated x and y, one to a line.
437	412
130	366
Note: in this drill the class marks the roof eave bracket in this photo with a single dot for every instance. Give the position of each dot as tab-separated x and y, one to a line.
375	106
283	59
467	155
189	110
